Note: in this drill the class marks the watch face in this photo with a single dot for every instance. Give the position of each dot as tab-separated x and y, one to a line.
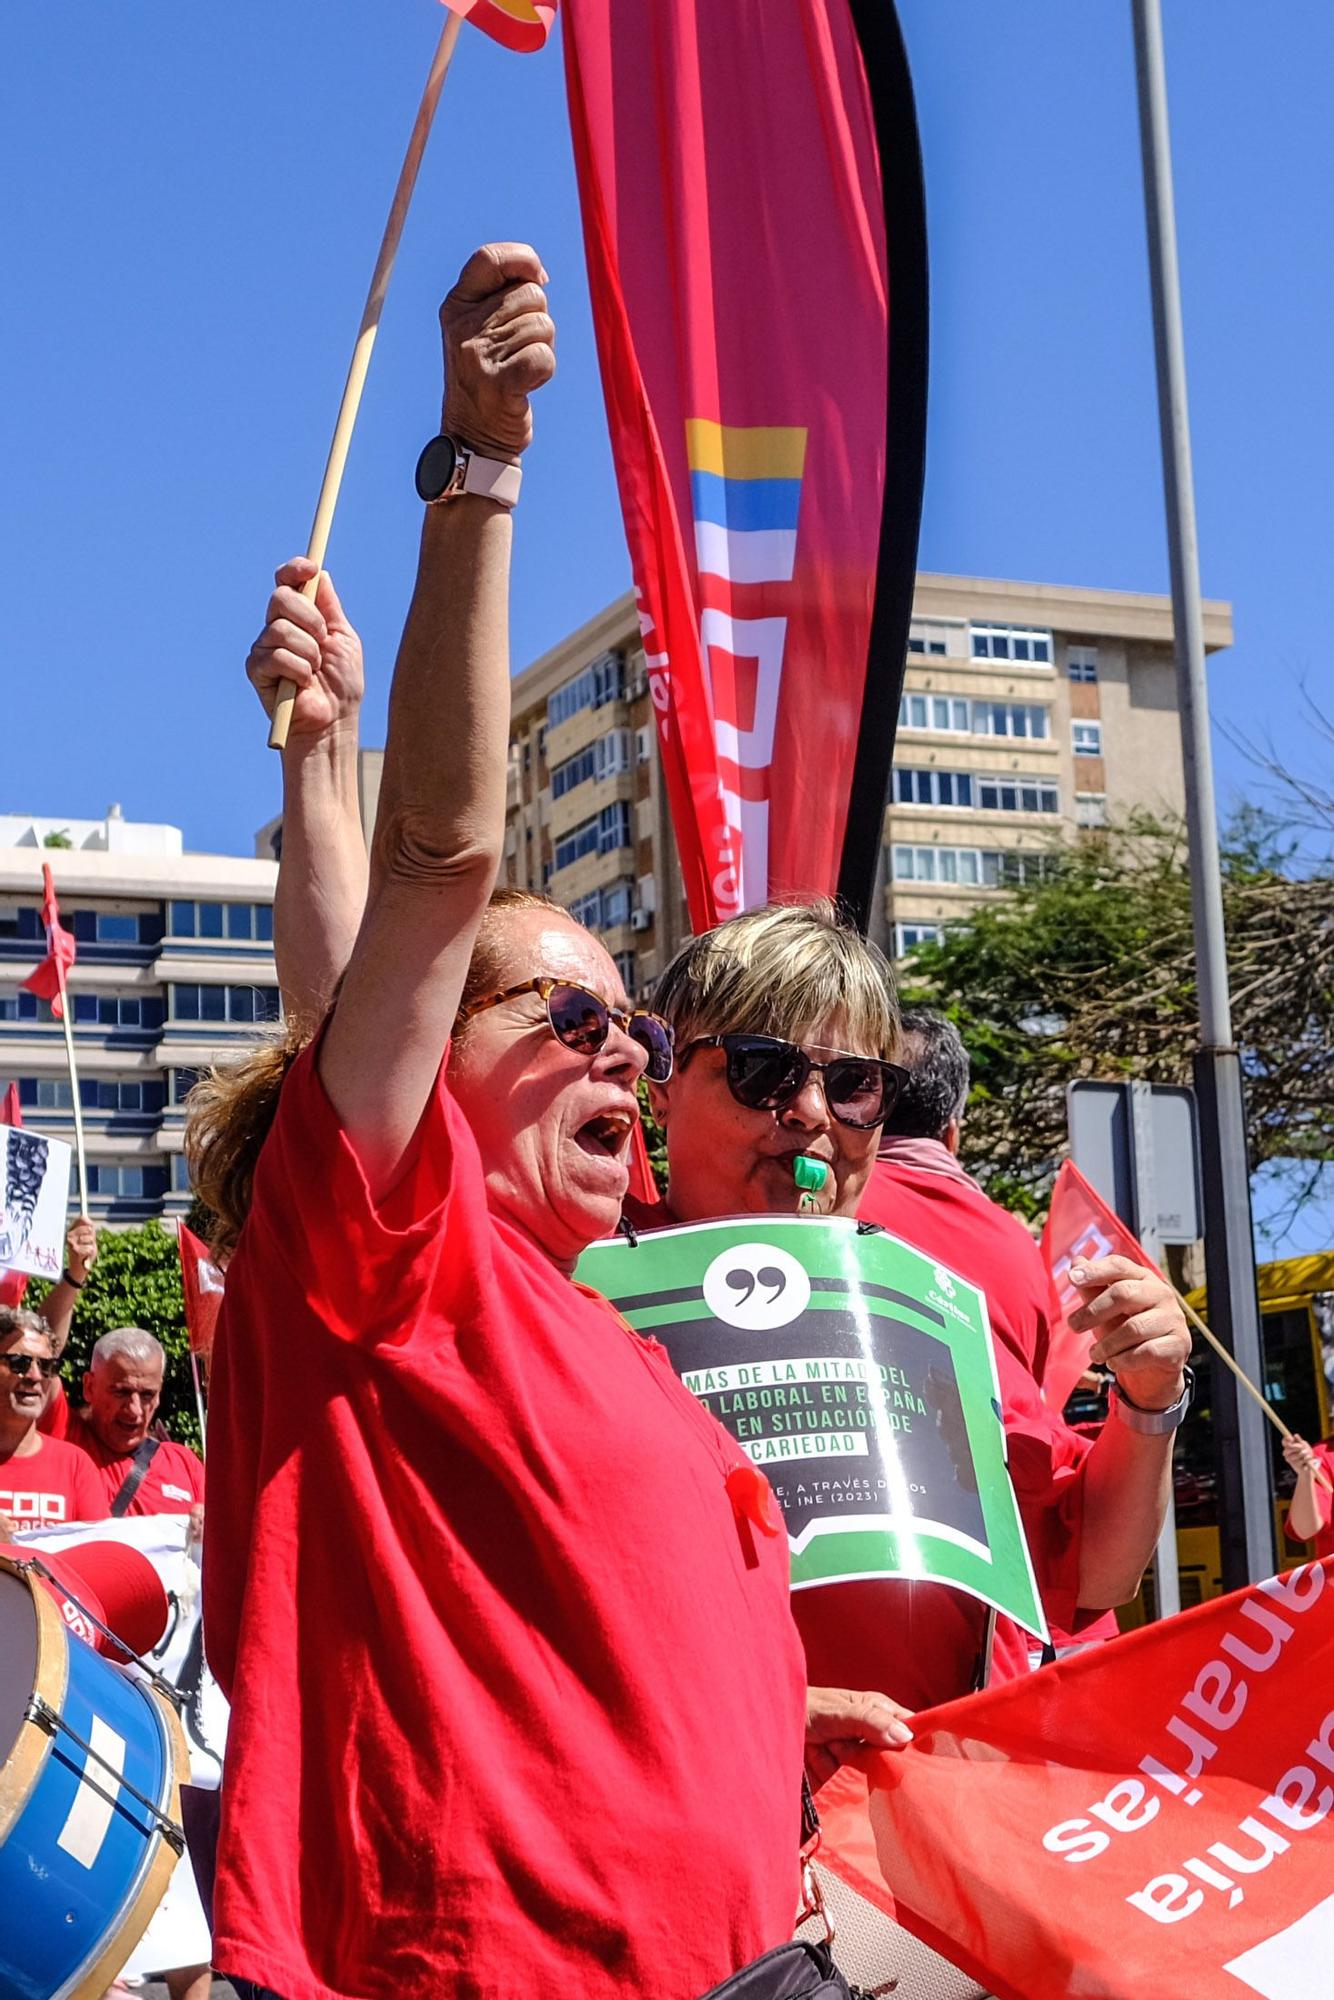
435	468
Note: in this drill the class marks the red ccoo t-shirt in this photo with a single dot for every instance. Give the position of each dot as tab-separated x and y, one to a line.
517	1702
52	1485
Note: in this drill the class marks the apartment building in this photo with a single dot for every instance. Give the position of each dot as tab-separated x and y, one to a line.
174	968
1030	713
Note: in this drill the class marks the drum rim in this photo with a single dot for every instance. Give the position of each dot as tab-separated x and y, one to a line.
32	1745
91	1981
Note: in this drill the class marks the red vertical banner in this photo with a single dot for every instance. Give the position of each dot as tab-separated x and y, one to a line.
753	218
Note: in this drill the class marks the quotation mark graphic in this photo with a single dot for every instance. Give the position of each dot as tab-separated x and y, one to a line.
756	1286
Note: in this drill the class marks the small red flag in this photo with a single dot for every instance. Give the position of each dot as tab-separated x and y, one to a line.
1079	1224
49	978
13	1284
643	1184
522	25
203	1285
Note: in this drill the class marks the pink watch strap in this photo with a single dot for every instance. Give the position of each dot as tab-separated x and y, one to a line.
493	479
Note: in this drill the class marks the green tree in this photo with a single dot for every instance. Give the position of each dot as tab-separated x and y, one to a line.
1089	971
136	1281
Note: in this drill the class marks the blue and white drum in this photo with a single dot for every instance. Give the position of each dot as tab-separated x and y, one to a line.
91	1759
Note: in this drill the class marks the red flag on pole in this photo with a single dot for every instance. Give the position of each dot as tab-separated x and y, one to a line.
1079	1224
753	218
203	1284
520	24
1154	1817
48	980
13	1284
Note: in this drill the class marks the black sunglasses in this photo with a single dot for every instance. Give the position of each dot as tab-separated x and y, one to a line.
580	1020
764	1074
19	1364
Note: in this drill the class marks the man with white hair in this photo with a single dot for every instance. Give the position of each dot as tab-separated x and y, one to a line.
142	1473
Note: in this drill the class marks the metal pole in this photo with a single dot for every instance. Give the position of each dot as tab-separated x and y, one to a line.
1245	1512
1139	1104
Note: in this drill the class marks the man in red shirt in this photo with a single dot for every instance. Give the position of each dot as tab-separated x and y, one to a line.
122	1390
919	1191
43	1482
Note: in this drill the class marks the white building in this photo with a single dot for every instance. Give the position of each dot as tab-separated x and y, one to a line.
174	968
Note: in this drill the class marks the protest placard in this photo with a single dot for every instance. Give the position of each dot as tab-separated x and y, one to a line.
858	1374
34	1196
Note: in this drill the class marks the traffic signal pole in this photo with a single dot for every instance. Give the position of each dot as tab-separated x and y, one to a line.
1244	1497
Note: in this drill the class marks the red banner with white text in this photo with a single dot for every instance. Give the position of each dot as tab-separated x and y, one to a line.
1152	1817
752	210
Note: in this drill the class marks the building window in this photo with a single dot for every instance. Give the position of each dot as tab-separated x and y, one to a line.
908	936
927	640
953	865
1087	738
180	1174
603	759
124	1182
1029	795
644	743
45	1093
117	1010
1090	808
240	922
616	905
934	711
1021	645
183	1082
602	680
625	965
224	1003
21	923
932	788
1081	663
116	926
1010	718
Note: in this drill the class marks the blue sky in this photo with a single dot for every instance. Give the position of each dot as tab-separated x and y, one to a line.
193	198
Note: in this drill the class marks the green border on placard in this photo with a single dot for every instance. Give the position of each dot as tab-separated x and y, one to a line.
923	1295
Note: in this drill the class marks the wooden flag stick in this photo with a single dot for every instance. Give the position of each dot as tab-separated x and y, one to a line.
361	353
1244	1379
80	1161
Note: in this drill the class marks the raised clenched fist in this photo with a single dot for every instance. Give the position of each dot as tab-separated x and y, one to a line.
499	343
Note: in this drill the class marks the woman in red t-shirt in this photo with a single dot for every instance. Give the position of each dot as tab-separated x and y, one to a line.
517	1702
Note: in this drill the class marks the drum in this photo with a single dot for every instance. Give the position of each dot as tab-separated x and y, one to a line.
91	1759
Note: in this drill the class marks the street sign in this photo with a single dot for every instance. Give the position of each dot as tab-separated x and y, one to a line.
1138	1143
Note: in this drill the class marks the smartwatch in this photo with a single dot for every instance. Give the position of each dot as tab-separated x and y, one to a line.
447	467
1154	1423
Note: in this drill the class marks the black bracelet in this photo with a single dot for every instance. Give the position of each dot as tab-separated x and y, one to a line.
69	1279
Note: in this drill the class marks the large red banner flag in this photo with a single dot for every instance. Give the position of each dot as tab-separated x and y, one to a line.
1079	1224
1149	1818
48	979
203	1285
520	24
751	192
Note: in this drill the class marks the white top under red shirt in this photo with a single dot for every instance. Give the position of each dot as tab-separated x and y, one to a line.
517	1701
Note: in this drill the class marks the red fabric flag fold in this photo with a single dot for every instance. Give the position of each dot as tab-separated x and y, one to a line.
522	25
48	979
203	1284
1153	1817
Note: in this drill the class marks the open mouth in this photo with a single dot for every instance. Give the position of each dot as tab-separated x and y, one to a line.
607	1136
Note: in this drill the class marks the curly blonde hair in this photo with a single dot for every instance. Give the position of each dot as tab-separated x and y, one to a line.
231	1109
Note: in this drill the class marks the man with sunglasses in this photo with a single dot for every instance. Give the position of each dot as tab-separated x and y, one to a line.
43	1482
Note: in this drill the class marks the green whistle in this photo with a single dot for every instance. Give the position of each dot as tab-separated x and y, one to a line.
809	1173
